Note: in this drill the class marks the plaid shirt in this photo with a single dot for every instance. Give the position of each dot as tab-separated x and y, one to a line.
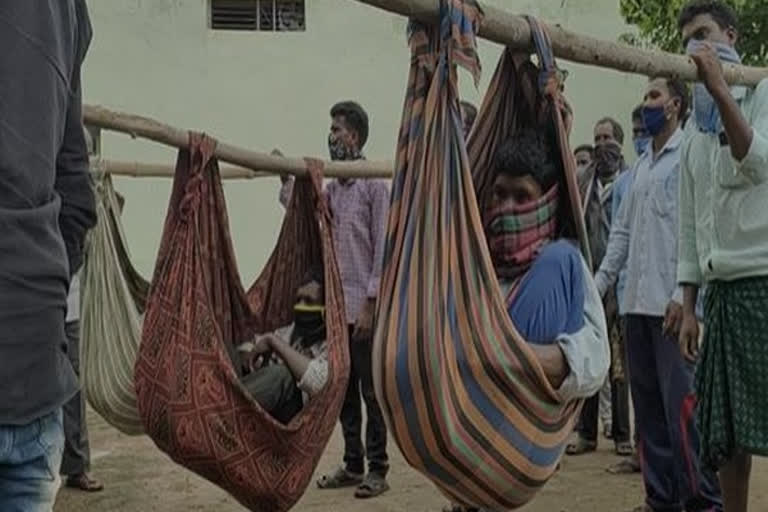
360	210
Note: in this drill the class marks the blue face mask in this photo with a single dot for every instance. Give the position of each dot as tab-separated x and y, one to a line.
654	119
705	110
641	144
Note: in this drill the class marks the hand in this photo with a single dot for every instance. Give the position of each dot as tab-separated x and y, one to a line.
689	337
710	68
364	325
672	319
261	346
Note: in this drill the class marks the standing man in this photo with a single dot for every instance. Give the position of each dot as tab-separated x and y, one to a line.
598	182
360	211
46	207
724	243
645	238
76	460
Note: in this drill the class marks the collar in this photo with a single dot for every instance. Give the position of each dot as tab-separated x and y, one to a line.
672	144
346	182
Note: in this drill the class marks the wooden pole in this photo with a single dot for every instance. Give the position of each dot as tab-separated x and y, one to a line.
148	170
147	128
510	30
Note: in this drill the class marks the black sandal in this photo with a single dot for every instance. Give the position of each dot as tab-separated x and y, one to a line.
373	485
340	480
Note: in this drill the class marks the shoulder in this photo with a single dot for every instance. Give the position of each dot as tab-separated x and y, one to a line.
377	186
561	255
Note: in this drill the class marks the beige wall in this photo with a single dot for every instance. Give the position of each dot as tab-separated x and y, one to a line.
265	90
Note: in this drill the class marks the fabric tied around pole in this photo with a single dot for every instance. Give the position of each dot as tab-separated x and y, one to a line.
190	398
463	394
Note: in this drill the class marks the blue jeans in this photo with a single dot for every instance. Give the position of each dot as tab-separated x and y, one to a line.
30	456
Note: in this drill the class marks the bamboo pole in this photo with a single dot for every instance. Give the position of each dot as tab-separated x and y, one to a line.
148	128
511	30
151	170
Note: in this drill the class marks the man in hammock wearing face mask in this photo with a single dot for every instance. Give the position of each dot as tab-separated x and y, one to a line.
545	282
300	351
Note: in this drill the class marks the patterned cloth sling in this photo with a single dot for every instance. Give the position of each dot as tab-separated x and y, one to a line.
464	397
190	398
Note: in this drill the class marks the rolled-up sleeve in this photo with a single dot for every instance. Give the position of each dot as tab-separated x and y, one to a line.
587	350
754	166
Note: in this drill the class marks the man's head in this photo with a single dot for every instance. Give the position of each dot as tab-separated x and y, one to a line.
708	20
311	292
665	103
526	168
608	130
468	116
348	132
584	155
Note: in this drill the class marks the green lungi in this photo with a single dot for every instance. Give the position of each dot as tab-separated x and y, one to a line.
732	374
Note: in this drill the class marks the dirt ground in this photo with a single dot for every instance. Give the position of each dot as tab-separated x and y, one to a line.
139	478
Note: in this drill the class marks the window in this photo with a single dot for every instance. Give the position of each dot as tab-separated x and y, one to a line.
262	15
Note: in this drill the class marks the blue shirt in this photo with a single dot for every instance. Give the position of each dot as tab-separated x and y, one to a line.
644	235
620	190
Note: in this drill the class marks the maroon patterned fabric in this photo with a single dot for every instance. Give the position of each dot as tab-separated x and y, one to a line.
189	395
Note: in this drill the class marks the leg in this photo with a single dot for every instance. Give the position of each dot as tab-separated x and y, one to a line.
375	429
698	487
587	441
655	449
351	474
30	457
274	388
352	417
605	413
734	480
76	461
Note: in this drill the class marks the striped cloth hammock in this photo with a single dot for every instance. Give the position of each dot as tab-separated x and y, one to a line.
190	399
463	395
113	296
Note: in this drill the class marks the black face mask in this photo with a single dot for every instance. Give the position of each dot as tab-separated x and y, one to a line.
340	151
309	324
608	159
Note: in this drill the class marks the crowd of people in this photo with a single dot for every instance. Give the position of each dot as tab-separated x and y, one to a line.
673	311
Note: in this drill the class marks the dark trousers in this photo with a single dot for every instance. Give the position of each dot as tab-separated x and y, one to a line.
77	454
274	388
662	391
361	383
620	428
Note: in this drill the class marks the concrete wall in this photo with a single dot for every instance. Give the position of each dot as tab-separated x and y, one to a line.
266	90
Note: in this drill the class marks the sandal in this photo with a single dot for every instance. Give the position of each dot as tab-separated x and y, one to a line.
628	466
608	431
624	449
373	485
340	479
581	447
84	482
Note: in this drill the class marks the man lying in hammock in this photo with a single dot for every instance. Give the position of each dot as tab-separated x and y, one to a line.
548	288
300	350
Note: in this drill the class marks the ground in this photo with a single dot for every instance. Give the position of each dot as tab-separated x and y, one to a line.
139	478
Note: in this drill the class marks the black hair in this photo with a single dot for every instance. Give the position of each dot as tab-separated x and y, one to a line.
722	13
585	147
637	113
678	89
618	131
315	273
471	111
527	152
355	117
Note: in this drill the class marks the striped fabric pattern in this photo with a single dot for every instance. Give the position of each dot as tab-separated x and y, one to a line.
113	296
463	395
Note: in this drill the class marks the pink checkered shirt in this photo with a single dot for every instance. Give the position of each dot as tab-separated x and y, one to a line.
360	210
